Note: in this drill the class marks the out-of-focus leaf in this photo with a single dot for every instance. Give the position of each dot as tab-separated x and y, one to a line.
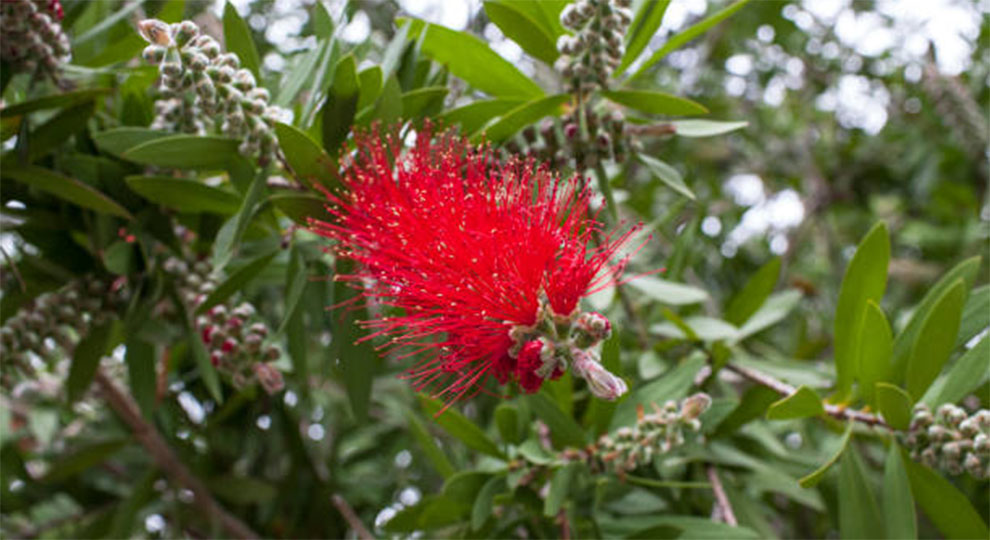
64	187
484	503
944	505
55	101
644	25
322	21
560	487
141	375
356	357
81	460
185	152
965	376
58	128
204	366
859	515
804	402
672	385
667	174
564	431
429	446
240	490
865	279
895	404
507	422
812	479
521	28
774	310
341	105
753	404
119	258
668	292
465	485
231	231
184	195
687	35
119	140
458	426
702	329
522	116
473	61
900	520
875	346
935	339
126	514
976	315
423	101
653	102
691	527
86	359
705	128
903	343
310	163
474	116
297	277
754	293
303	72
236	281
370	80
237	38
300	207
600	411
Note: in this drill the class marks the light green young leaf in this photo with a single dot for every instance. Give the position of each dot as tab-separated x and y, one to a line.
895	404
859	515
754	293
653	102
644	25
935	339
875	348
705	128
804	402
898	505
944	505
668	292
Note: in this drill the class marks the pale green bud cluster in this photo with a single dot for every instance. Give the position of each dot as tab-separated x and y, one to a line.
588	57
233	335
205	90
562	142
951	440
32	36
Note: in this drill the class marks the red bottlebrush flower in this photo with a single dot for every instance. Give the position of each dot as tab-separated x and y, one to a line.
477	258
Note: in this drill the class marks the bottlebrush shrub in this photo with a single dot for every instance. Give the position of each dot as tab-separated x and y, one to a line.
487	261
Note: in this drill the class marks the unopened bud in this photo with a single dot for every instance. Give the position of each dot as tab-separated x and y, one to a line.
155	32
601	383
153	54
184	32
692	407
269	377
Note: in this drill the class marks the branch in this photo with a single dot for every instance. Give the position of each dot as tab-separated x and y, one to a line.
721	500
351	518
785	389
163	456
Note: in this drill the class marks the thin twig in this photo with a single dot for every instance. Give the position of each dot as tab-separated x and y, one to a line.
785	389
721	500
351	518
147	436
565	526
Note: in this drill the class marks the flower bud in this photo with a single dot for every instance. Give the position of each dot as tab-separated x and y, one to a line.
601	383
692	407
184	32
528	361
269	377
272	353
155	32
153	54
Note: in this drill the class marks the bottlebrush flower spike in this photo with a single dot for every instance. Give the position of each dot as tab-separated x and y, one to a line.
478	266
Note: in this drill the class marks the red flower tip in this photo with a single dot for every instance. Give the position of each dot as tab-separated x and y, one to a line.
527	363
466	255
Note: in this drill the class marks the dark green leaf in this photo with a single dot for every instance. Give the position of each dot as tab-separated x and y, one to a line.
865	279
429	446
237	281
119	140
564	431
184	195
322	22
898	505
812	479
82	460
457	425
474	116
976	315
230	234
296	279
65	99
508	423
356	357
667	174
465	485
484	503
754	293
652	102
241	490
185	152
672	385
119	258
895	404
944	505
516	119
935	339
560	487
859	515
141	375
64	187
753	404
57	129
644	25
86	359
237	38
300	207
472	60
423	102
370	80
341	105
804	402
310	164
966	375
524	30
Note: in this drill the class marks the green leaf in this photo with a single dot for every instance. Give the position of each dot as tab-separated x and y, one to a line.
875	347
429	446
812	479
966	375
474	116
687	35
667	174
118	258
935	339
642	29
458	426
423	102
184	195
966	270
804	402
944	505
303	72
341	105
237	38
895	404
672	385
701	328
754	293
82	460
141	375
560	487
356	357
55	101
859	515
653	102
465	485
774	310
470	58
64	187
230	233
119	140
976	315
237	281
57	129
753	404
105	24
370	80
705	128
900	520
484	503
865	279
309	162
300	207
296	278
511	122
564	431
322	21
242	490
185	152
524	30
668	292
508	423
86	359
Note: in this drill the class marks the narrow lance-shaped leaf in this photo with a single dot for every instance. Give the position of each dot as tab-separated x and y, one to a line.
237	38
859	515
900	520
644	25
945	506
935	340
754	292
875	346
812	479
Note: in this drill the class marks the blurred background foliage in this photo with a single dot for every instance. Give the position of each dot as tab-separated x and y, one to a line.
855	113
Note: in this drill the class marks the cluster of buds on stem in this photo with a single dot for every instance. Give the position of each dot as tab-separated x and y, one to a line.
204	90
48	328
558	342
588	57
951	440
32	36
234	336
581	139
